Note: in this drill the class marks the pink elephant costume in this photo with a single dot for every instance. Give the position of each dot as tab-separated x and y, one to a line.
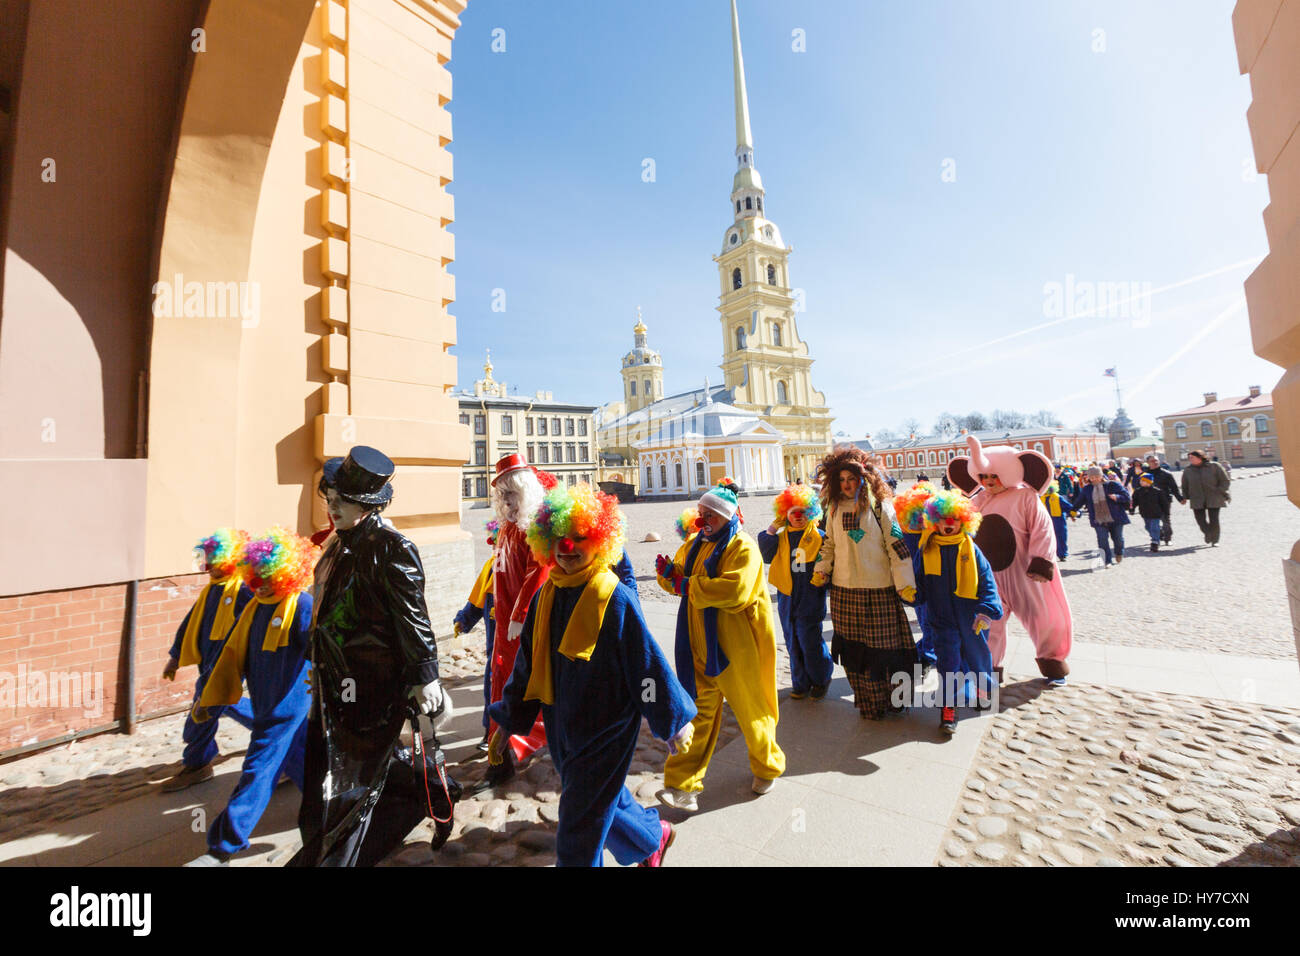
1016	536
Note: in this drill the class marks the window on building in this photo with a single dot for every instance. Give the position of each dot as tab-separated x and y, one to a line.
570	452
1207	429
632	388
541	426
759	200
1236	451
528	425
737	205
571	479
771	275
782	396
663	476
480	453
1265	449
911	459
678	470
749	202
585	451
569	426
555	425
735	278
1233	426
776	334
532	452
466	487
557	452
464	418
544	453
1261	425
480	488
699	474
507	424
582	426
740	337
480	424
932	459
649	478
1180	430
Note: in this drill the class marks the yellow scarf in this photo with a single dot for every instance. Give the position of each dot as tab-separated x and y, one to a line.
1053	502
226	682
482	586
580	633
967	576
221	622
810	543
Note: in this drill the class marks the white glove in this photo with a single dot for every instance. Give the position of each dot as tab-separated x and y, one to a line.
680	742
514	630
430	697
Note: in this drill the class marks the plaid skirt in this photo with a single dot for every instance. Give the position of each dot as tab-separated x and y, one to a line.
872	634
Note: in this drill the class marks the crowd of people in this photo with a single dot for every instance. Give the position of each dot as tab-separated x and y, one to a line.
572	665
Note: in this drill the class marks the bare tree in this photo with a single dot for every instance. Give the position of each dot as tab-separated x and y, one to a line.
1101	423
884	436
946	424
974	422
911	426
1005	419
1046	419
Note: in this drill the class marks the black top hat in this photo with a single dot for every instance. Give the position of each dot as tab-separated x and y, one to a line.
329	474
363	476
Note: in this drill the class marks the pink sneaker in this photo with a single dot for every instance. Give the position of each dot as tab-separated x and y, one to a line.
665	841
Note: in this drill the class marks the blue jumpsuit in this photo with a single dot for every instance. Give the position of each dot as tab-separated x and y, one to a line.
277	684
201	739
1060	527
958	649
802	612
925	646
592	727
467	617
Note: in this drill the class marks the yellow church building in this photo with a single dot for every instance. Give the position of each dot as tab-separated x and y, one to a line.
766	366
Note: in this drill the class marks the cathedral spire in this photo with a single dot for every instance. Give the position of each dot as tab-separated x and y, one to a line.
747	187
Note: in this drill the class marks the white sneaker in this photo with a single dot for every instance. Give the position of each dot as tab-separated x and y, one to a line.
208	859
681	799
761	785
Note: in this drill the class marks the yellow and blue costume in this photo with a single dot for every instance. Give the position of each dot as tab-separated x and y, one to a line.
1058	511
800	604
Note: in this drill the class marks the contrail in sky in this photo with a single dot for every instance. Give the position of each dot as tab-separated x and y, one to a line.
1187	346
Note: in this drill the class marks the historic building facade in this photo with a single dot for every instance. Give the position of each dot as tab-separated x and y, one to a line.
558	437
1240	430
934	452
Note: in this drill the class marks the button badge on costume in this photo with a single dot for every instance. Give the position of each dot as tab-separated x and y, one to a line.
276	622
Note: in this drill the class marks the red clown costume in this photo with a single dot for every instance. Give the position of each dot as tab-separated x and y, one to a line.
1016	536
517	491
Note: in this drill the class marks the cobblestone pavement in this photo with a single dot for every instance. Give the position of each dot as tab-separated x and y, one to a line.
1086	776
1229	600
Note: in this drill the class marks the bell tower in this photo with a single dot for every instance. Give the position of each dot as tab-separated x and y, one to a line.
643	370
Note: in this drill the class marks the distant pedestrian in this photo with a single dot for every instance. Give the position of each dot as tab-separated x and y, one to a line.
1107	503
1149	503
1164	481
1205	486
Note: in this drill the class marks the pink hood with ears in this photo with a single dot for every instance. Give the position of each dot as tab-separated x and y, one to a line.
1000	460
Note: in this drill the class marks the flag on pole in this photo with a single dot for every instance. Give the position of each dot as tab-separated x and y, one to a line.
1109	373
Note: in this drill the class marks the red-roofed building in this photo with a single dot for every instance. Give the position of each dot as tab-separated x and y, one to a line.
1240	431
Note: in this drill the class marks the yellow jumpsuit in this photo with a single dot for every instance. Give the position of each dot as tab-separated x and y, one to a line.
747	637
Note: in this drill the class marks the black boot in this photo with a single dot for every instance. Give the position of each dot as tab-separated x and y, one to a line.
497	774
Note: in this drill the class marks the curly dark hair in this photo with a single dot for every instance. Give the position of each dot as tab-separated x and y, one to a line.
853	457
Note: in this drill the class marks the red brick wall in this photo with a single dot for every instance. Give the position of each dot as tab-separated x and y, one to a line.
82	631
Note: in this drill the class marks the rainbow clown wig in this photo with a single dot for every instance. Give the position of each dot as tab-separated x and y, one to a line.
280	559
221	550
909	506
578	513
952	504
797	498
685	523
493	527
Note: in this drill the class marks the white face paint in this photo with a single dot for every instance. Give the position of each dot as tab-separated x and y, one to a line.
345	514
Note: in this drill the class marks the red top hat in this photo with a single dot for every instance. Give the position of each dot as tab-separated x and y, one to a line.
509	463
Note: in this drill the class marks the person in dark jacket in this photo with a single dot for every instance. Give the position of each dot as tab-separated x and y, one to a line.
1164	481
1149	503
1107	521
374	661
1205	486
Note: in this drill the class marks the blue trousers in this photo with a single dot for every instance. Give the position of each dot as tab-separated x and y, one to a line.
1108	533
201	739
278	745
962	655
1153	529
490	627
810	660
925	646
634	833
1062	529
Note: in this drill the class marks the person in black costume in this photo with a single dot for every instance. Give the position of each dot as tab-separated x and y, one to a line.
374	663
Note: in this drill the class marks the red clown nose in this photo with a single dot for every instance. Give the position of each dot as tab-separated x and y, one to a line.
700	524
566	546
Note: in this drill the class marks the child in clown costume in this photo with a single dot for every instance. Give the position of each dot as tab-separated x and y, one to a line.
909	507
199	640
955	583
268	648
1058	509
586	660
790	545
479	606
725	647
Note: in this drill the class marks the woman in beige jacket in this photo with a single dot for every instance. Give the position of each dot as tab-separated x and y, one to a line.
870	574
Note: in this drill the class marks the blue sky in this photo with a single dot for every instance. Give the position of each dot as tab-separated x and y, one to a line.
1120	156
